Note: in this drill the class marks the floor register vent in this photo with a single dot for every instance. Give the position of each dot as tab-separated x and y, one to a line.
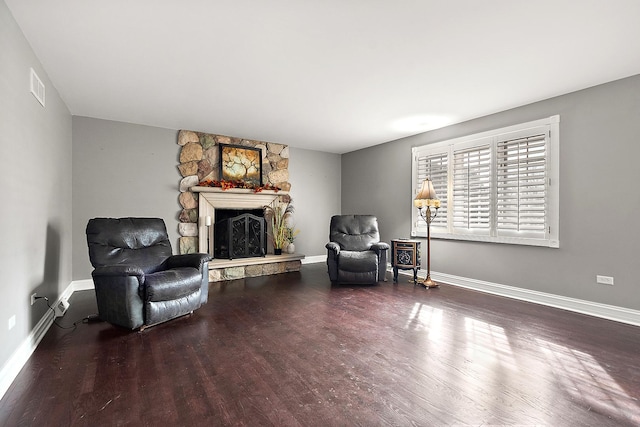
61	308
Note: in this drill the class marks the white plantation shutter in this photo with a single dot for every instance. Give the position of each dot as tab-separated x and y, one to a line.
522	189
434	167
498	186
472	189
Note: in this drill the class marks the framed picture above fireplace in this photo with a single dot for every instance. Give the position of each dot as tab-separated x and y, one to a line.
240	163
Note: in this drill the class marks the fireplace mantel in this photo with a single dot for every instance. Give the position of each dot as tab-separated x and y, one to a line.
212	198
202	189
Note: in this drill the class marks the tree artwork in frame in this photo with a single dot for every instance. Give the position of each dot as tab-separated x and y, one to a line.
240	163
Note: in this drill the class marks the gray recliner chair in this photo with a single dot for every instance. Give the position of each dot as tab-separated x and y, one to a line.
355	253
138	282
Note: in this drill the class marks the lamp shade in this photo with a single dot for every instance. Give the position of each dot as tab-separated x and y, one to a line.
427	196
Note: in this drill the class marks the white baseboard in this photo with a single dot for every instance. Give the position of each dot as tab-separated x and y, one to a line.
82	285
314	259
19	357
604	311
22	354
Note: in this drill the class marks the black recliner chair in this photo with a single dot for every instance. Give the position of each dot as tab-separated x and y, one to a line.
138	282
355	253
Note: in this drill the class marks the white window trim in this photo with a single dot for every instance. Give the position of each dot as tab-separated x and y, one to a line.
551	126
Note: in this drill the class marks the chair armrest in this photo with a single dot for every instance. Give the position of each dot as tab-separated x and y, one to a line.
334	247
118	270
380	249
198	261
333	250
380	246
187	260
119	298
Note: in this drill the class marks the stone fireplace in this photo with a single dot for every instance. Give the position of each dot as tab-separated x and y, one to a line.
199	162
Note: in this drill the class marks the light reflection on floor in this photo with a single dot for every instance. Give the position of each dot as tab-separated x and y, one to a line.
584	378
487	342
425	317
577	372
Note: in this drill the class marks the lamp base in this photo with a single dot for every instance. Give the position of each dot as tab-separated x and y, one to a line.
428	283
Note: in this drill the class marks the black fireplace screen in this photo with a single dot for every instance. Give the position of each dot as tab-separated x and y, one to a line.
239	235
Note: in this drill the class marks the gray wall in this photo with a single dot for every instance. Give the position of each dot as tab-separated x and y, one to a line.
123	169
315	190
119	170
599	204
35	217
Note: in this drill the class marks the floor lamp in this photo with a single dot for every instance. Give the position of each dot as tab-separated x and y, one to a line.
425	201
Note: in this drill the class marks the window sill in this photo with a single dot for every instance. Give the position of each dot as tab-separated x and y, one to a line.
526	241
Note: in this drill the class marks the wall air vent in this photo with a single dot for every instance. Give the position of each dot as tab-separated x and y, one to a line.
37	87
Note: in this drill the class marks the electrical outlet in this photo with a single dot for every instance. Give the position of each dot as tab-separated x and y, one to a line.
12	322
604	280
33	298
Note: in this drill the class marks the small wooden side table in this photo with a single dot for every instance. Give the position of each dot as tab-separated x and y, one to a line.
405	255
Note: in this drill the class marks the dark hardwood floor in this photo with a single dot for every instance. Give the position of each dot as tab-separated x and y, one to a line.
291	350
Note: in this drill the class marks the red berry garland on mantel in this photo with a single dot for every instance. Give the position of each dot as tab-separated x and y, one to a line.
225	185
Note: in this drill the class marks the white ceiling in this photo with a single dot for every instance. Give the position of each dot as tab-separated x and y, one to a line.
328	75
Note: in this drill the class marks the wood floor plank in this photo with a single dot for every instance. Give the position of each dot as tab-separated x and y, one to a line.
292	350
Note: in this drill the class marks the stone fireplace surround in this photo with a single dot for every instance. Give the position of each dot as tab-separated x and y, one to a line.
209	200
199	161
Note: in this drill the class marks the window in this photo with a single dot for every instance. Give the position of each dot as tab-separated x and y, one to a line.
472	188
499	186
434	166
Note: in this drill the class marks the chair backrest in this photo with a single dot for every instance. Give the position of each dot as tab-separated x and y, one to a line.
354	232
142	242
